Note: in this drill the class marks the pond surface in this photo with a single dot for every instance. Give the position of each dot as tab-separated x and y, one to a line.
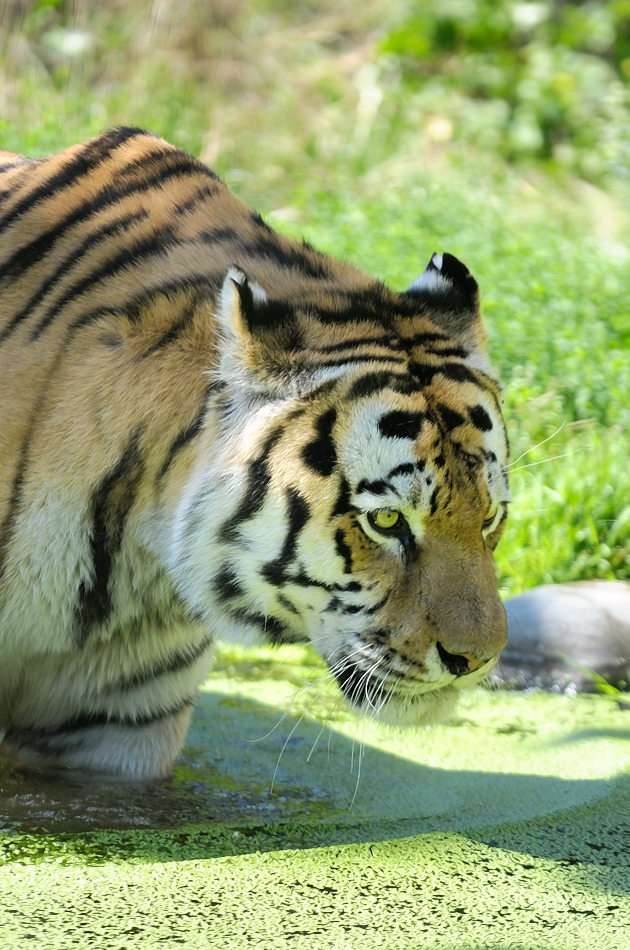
262	749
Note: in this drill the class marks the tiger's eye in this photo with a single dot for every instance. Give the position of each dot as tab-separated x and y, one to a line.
386	518
491	516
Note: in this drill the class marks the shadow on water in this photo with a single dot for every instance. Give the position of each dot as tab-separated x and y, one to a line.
586	735
220	800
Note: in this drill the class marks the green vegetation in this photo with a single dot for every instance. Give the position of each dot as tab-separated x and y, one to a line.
499	131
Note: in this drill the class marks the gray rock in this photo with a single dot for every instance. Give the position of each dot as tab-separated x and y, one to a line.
588	621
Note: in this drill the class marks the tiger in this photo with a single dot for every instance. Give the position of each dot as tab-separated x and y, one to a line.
211	431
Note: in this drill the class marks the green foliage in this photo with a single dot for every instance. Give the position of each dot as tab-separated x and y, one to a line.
537	78
385	132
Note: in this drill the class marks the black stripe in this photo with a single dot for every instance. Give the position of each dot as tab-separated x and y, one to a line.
377	487
405	469
401	425
381	636
372	383
342	505
434	499
422	339
173	332
352	586
359	358
343	550
388	342
321	389
286	603
268	244
226	584
457	351
471	460
406	386
112	500
449	418
134	305
182	438
154	161
259	220
378	605
302	579
375	304
275	572
197	198
9	165
320	455
154	245
110	195
39	738
6	530
480	418
172	664
92	240
258	479
276	632
16	489
362	609
458	372
89	158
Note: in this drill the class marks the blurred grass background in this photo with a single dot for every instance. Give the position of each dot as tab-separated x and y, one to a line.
381	131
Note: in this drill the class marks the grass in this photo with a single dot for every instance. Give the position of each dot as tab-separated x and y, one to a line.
501	135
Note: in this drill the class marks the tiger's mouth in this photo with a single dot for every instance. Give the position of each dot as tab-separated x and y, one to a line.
399	697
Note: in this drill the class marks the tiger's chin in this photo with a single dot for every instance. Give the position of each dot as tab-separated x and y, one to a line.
408	710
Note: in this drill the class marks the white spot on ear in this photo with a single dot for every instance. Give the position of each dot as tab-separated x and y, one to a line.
228	302
235	274
258	293
432	279
228	311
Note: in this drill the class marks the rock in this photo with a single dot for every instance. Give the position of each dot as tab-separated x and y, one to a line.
588	621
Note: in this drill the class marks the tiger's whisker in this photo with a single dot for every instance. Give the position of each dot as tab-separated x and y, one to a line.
288	739
542	462
508	467
306	686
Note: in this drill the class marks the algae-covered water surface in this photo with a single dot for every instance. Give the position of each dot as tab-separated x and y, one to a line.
287	822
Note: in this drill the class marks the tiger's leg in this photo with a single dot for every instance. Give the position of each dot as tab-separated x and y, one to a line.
129	751
107	710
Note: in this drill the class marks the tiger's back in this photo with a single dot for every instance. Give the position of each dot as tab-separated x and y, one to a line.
141	387
119	248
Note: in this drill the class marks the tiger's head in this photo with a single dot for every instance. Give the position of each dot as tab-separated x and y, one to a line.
350	486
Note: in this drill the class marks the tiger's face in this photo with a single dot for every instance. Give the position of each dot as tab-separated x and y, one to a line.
354	490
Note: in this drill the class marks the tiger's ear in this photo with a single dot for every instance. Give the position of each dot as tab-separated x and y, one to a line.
257	338
240	301
451	297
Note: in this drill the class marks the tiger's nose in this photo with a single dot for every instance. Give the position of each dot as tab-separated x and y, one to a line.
461	663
